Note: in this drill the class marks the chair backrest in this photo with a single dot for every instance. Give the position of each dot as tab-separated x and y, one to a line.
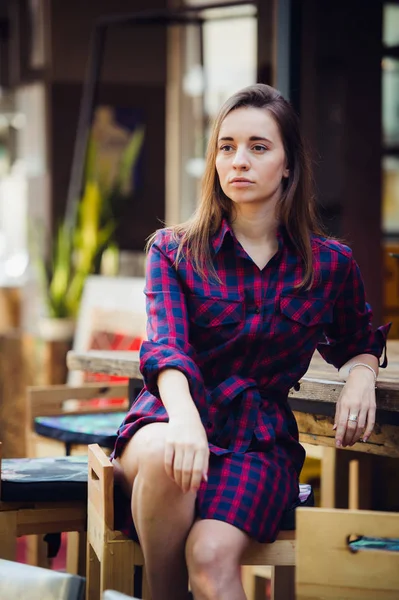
336	557
18	580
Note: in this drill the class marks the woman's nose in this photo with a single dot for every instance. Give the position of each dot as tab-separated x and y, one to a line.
240	160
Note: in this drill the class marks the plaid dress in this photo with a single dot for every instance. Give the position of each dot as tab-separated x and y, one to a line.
242	345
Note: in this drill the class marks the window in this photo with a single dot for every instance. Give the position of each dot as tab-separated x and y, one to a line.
217	57
390	120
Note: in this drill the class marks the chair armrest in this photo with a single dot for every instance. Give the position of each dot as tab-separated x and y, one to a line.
98	460
100	487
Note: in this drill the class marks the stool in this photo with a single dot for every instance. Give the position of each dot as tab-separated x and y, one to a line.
42	496
337	556
113	560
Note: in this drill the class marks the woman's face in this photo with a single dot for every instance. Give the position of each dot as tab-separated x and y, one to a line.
250	159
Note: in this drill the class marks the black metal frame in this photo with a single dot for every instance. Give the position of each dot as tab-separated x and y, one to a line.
182	16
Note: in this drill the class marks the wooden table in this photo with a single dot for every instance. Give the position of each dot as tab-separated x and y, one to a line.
314	408
313	404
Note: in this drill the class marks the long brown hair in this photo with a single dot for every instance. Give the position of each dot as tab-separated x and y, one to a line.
296	207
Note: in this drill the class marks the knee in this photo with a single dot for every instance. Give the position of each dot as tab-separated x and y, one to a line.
210	563
151	460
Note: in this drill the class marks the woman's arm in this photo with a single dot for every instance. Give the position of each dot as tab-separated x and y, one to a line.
367	359
351	339
169	368
186	451
357	398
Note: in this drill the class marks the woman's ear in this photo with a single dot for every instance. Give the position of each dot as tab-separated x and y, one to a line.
286	173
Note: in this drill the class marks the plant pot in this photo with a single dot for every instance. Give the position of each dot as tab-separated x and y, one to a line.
56	330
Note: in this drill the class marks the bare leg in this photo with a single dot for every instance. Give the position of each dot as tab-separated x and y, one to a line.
162	514
213	553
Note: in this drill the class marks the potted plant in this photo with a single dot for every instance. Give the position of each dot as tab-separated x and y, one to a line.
79	249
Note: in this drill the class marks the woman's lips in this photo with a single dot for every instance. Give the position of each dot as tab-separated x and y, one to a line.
241	183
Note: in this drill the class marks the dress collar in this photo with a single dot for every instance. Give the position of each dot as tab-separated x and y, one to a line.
218	238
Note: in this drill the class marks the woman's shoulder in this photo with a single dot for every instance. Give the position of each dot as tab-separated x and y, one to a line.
324	244
166	239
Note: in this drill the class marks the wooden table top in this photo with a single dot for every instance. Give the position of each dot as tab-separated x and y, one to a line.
320	383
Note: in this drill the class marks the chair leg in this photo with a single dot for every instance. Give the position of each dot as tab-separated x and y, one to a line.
76	553
117	567
248	582
93	571
8	535
37	551
283	583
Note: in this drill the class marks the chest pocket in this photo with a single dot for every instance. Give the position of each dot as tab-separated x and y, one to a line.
214	321
215	312
302	316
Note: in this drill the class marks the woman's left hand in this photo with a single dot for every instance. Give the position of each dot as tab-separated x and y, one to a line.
357	399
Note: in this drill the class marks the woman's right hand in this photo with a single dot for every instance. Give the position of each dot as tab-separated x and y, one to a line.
186	452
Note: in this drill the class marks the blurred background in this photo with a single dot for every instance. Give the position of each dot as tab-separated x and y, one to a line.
104	117
158	85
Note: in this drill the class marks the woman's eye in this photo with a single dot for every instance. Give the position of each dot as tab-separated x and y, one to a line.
259	148
226	148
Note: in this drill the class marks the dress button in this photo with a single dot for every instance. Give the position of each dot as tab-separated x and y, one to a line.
257	310
209	425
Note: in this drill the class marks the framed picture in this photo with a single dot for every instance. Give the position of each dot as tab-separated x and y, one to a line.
112	316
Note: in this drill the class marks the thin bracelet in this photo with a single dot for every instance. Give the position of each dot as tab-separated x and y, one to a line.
360	364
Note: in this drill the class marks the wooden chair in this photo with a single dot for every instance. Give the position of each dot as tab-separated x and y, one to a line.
113	559
329	566
110	306
57	400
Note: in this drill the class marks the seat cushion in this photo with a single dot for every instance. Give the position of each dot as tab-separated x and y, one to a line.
54	479
305	498
95	428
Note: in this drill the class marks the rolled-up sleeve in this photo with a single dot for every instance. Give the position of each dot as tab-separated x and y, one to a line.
167	323
351	331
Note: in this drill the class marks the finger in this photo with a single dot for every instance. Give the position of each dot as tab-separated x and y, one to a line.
370	423
361	425
205	467
351	428
187	469
198	468
177	466
168	459
341	426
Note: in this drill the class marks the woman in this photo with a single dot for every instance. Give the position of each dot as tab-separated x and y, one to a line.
238	299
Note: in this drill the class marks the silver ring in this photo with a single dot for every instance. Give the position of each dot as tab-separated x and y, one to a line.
353	418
